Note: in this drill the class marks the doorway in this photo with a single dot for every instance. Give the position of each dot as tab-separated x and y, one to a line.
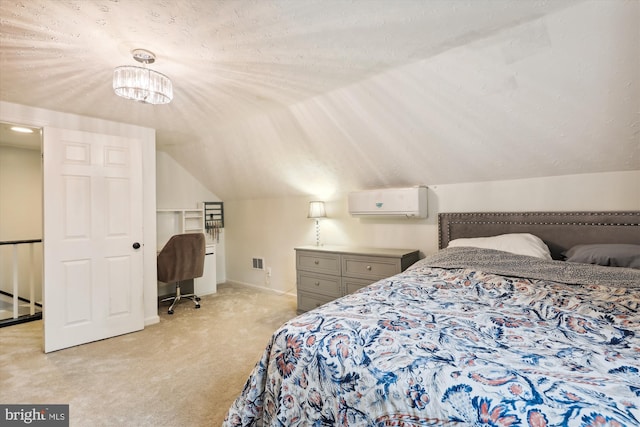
20	223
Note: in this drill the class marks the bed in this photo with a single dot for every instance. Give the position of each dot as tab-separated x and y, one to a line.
468	336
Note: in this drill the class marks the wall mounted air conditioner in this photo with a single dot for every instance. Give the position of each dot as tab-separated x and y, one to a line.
407	202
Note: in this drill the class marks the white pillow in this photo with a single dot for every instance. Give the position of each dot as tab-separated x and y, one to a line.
517	243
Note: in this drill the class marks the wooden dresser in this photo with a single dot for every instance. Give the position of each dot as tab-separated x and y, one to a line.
324	273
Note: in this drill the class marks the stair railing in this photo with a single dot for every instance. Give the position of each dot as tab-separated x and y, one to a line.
15	294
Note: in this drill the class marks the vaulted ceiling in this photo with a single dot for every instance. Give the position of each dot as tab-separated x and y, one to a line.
300	97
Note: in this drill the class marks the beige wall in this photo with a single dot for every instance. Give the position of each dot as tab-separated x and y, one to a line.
271	228
20	194
176	187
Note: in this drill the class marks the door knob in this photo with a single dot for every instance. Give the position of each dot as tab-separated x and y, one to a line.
136	245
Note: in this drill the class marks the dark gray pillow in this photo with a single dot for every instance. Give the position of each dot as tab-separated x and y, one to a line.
613	255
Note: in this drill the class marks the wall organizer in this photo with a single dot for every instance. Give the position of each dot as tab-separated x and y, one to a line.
213	219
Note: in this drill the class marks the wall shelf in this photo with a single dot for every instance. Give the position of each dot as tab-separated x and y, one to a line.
178	221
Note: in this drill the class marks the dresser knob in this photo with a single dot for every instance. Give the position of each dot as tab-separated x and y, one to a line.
316	262
369	267
317	283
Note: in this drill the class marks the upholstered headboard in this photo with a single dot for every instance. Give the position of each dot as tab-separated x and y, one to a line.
559	230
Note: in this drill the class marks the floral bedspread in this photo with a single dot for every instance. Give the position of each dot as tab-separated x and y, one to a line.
441	347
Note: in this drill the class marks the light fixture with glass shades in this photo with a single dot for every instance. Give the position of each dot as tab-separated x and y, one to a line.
141	83
316	211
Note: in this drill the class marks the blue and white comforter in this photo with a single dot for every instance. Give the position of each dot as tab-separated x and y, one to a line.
440	347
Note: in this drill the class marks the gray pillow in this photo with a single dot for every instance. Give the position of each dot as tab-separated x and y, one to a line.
613	255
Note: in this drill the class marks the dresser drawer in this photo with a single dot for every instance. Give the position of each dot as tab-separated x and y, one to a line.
318	262
319	284
350	285
324	273
374	268
308	301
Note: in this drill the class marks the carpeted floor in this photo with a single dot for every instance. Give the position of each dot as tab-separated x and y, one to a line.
184	371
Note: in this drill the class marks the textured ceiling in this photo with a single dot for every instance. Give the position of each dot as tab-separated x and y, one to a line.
294	97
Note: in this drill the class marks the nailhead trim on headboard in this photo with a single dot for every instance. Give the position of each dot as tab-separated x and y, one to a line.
607	219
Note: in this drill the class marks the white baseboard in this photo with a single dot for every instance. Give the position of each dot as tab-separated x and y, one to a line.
152	320
263	288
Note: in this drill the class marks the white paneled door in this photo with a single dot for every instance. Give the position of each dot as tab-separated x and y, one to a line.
92	237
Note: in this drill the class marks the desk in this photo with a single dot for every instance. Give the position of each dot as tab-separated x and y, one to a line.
206	284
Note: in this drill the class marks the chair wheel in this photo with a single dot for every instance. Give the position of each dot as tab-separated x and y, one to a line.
198	306
170	311
197	298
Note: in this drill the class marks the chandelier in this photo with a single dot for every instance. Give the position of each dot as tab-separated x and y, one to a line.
141	83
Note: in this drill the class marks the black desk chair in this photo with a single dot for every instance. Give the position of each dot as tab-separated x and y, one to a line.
182	258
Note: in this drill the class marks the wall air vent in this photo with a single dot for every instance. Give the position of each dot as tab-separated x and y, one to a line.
258	263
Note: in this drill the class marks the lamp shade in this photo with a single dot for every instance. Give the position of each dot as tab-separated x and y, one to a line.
316	210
